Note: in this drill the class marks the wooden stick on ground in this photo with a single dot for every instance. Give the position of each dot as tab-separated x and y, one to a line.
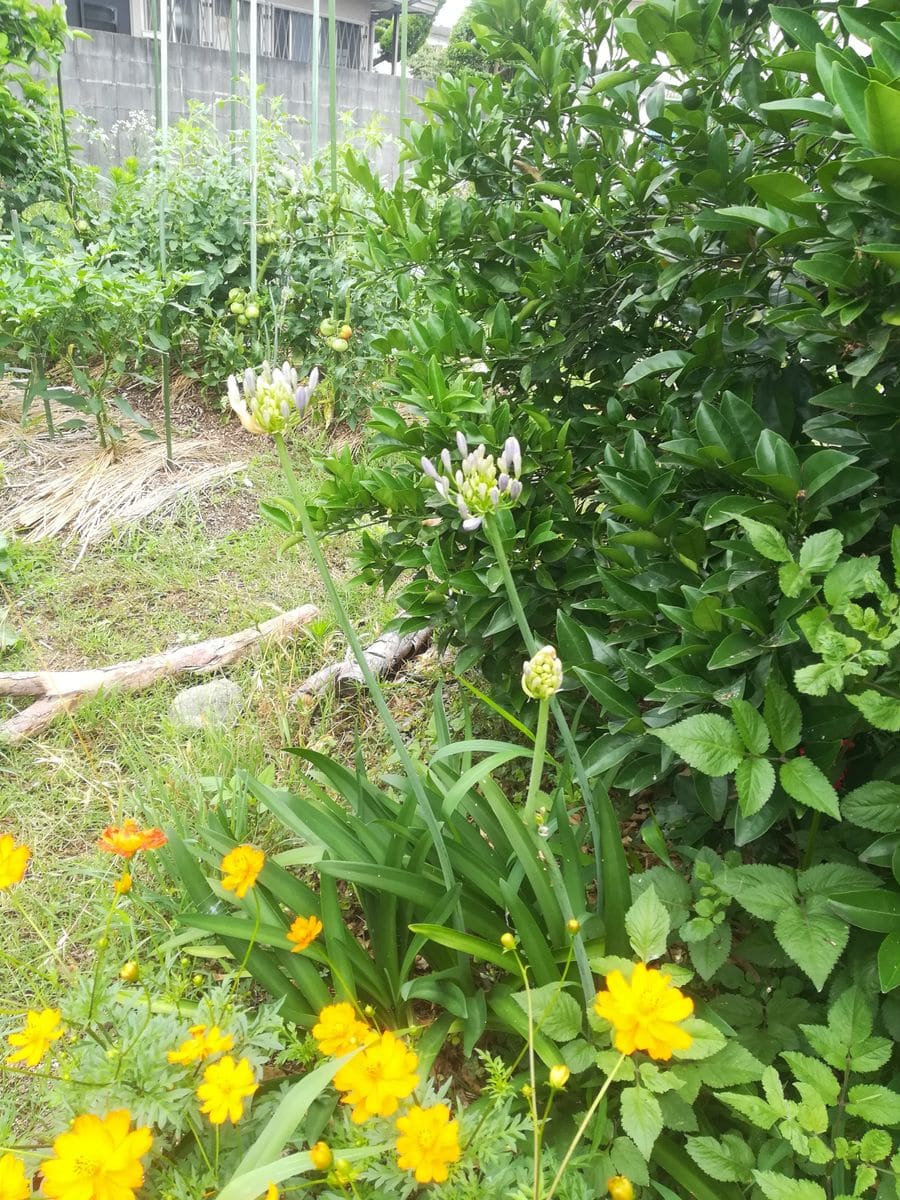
61	691
385	657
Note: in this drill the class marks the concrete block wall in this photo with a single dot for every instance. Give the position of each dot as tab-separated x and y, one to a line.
110	77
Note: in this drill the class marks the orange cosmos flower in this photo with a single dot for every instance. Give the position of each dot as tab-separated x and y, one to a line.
204	1042
304	932
35	1039
98	1158
13	861
339	1030
378	1079
226	1085
128	838
14	1184
645	1012
428	1143
240	869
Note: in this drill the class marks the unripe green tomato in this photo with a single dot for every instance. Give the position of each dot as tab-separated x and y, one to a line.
345	332
234	293
82	225
328	328
252	312
242	320
237	307
339	345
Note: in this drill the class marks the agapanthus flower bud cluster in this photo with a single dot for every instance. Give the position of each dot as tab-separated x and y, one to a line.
480	485
272	400
542	675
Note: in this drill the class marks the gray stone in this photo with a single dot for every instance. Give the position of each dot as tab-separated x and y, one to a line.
214	705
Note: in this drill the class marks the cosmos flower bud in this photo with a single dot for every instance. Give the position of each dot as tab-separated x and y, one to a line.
542	675
508	941
559	1076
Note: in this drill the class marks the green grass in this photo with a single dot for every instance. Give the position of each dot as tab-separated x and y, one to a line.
117	754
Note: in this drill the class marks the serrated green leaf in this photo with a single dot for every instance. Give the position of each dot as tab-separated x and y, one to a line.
881	711
557	1014
782	714
764	891
641	1118
805	783
756	1110
707	742
816	1074
875	805
710	953
750	726
728	1159
814	941
647	924
706	1040
755	782
782	1187
872	1102
766	540
820	551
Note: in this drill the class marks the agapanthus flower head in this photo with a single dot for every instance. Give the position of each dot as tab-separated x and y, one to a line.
645	1012
13	861
96	1158
480	485
542	674
272	400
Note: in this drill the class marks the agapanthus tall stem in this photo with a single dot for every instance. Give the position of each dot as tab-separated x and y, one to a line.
611	871
537	761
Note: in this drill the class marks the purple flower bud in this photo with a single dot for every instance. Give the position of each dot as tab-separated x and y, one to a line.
515	489
471	524
503	482
442	486
313	382
494	496
463	508
429	468
446	461
285	409
461	444
250	382
301	398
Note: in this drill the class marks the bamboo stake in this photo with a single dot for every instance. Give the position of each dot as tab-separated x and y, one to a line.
404	30
232	103
314	68
67	154
254	38
163	89
332	90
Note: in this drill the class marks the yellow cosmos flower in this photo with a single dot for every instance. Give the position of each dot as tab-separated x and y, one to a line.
98	1158
271	1192
428	1143
339	1030
303	933
226	1085
378	1079
240	869
122	885
13	861
41	1029
14	1183
645	1012
203	1043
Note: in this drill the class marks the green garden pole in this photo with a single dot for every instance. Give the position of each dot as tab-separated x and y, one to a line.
332	90
253	163
162	83
314	79
404	29
232	103
154	22
67	154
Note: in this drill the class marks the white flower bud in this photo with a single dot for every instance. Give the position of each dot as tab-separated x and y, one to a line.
461	444
542	674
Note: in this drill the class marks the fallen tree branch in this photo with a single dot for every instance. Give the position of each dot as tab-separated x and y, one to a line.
385	657
60	691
